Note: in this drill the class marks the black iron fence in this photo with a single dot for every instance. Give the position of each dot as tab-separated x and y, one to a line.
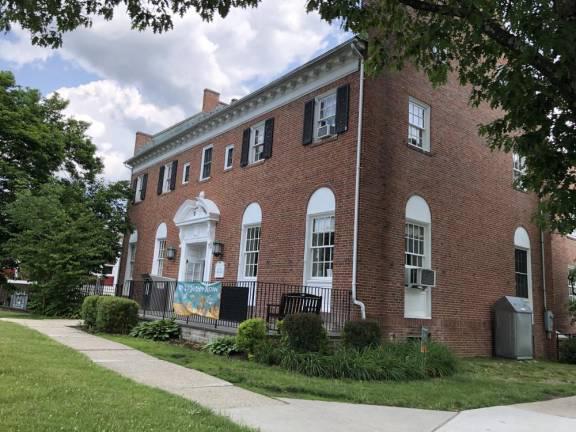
242	300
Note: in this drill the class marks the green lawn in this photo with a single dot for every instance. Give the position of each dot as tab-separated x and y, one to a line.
5	313
480	383
45	386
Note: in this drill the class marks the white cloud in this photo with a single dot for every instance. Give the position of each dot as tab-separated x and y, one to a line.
19	51
150	81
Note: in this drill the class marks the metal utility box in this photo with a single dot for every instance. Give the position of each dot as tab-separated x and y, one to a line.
513	328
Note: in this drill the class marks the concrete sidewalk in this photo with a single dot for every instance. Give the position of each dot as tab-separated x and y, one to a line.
288	415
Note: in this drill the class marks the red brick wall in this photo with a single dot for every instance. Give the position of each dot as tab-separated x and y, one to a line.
563	254
281	185
475	211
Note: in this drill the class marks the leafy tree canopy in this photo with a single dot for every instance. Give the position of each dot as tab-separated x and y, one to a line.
518	56
64	230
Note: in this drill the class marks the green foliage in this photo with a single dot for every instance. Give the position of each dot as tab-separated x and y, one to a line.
572	309
116	315
517	56
361	334
159	330
568	351
269	352
304	332
390	362
223	346
251	333
89	311
64	231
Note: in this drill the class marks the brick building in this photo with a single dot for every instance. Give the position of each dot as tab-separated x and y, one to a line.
284	188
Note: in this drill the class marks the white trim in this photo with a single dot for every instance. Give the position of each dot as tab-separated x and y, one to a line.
186	165
522	242
229	148
251	217
167	177
426	137
317	100
243	114
161	234
138	192
261	127
204	150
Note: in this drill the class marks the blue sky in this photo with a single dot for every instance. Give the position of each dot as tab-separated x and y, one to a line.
121	80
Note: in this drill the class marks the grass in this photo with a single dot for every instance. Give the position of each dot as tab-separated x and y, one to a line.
479	383
47	387
5	313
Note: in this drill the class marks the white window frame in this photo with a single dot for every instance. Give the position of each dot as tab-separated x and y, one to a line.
257	144
426	126
167	178
204	150
227	150
244	252
310	247
186	167
522	242
139	182
317	112
161	257
130	261
518	168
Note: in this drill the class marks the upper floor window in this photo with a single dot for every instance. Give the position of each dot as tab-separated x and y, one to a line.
140	187
167	177
206	167
250	243
418	124
186	173
326	115
228	157
257	143
518	169
571	283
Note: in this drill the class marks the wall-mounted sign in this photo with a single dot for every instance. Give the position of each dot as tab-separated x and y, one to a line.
219	270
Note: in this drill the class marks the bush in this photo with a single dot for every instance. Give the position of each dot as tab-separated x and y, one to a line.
568	351
269	352
304	333
89	311
362	334
251	333
390	362
161	330
116	315
223	346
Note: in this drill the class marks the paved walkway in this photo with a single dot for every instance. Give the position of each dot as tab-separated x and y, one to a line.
288	415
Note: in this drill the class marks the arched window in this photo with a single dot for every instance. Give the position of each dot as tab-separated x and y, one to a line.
417	254
320	238
250	243
522	263
131	256
160	250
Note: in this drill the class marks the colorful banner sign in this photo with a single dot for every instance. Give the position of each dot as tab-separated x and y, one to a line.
197	298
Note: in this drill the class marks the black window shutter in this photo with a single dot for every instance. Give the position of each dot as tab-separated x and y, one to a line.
173	175
245	148
342	102
134	186
144	184
268	137
308	134
160	180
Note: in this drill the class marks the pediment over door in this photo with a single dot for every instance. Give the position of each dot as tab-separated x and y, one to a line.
197	210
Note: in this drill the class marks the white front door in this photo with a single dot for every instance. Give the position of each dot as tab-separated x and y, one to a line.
195	262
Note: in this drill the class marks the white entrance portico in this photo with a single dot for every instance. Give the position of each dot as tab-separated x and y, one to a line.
196	218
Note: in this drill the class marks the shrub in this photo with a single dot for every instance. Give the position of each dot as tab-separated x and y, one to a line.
269	352
304	333
89	311
116	315
390	362
568	351
251	333
161	330
362	334
223	346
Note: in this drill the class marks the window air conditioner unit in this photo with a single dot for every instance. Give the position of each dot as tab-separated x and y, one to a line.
419	278
326	130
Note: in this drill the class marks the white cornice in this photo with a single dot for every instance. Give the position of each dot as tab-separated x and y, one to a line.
321	71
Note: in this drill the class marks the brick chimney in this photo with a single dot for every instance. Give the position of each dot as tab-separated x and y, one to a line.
210	101
141	139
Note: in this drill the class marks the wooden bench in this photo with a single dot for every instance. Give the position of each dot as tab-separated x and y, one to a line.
293	303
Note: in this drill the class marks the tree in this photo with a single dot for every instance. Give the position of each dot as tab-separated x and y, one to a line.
36	142
65	230
517	56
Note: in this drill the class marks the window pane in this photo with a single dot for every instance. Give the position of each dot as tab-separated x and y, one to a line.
414	245
322	246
